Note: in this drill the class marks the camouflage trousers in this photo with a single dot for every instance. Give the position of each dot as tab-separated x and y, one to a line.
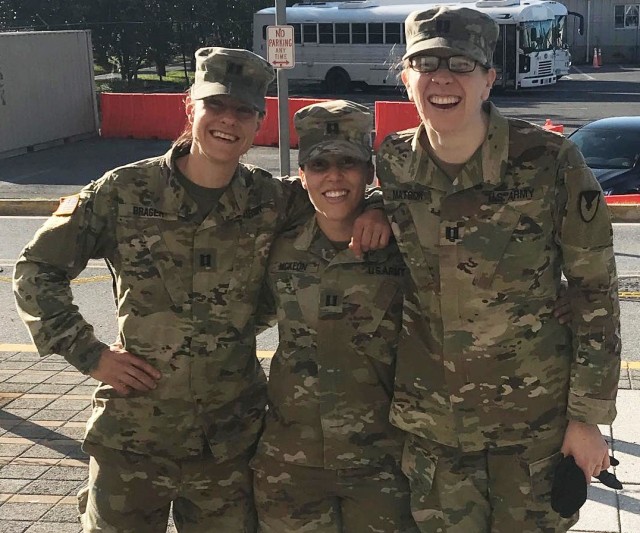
500	490
295	499
132	493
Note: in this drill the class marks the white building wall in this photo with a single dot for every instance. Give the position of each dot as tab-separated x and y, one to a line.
618	45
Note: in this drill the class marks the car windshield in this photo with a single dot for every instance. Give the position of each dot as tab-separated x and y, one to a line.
612	149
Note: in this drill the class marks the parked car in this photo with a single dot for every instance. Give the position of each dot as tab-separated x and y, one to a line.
611	148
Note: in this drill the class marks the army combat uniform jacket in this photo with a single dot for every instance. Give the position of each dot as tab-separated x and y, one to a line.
482	362
331	378
186	293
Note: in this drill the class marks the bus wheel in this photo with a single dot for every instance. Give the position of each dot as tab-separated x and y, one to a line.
337	81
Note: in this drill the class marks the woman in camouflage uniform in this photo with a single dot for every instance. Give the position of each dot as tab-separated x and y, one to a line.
181	396
329	460
488	212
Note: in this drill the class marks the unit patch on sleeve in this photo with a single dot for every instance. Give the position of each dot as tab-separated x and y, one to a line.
588	203
67	206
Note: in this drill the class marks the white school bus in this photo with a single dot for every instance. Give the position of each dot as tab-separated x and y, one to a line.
361	42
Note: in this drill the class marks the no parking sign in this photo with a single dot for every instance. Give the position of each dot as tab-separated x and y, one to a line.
280	46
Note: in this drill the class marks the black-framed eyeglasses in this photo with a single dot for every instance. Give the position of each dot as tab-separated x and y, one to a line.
457	64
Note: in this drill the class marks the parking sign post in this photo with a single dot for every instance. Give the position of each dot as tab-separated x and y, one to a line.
280	55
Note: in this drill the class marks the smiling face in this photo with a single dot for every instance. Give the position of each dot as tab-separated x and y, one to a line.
449	103
223	128
336	186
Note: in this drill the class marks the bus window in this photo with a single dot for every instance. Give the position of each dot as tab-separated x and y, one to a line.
359	33
342	33
325	31
560	32
392	32
546	34
309	33
375	33
296	34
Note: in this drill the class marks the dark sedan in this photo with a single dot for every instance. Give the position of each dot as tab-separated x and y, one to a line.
611	148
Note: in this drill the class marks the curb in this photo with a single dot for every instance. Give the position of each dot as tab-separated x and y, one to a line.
28	208
625	213
44	207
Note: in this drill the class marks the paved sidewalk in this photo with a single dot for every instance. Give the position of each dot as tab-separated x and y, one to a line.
44	404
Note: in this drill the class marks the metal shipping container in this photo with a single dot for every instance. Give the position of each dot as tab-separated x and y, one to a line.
47	90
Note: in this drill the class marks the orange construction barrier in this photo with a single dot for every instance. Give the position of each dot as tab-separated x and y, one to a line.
394	116
162	116
142	116
268	134
549	125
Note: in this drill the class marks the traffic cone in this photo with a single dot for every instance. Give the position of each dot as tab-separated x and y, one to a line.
595	58
599	57
549	125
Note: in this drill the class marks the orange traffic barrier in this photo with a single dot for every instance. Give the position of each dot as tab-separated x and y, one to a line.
594	63
162	116
394	116
268	134
549	125
142	116
623	199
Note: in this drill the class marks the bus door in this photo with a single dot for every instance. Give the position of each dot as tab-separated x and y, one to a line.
506	57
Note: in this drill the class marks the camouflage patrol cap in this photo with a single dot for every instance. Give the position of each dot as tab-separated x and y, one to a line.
232	71
337	127
456	31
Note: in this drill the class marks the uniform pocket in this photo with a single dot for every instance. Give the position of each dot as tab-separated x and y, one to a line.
497	230
541	474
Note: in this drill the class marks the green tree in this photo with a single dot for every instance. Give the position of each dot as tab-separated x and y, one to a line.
130	33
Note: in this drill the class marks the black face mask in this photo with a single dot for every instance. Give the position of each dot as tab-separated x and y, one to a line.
569	490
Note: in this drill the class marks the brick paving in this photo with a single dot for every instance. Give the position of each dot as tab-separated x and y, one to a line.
44	404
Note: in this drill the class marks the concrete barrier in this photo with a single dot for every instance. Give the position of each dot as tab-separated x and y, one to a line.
32	208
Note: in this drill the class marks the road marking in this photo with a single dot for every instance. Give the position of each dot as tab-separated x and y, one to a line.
40	217
91	279
17	348
629	295
583	74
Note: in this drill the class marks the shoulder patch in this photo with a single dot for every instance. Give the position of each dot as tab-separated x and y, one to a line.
67	206
588	203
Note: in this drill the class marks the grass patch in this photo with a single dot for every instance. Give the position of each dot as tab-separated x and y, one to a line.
173	82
